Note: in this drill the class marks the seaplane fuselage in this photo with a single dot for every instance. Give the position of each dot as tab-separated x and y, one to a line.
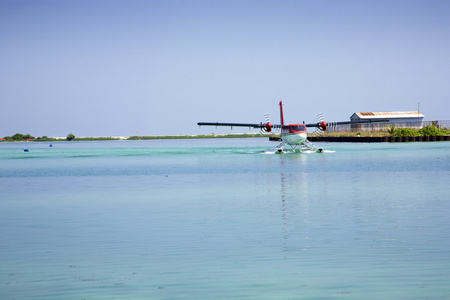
294	134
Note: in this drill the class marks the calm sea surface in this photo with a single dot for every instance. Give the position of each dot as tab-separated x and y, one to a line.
224	219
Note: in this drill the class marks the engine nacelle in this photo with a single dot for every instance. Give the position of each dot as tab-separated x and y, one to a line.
268	127
323	126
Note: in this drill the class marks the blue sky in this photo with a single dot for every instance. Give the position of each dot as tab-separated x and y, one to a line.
106	68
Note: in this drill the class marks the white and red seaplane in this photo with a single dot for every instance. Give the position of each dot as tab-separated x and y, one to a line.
294	135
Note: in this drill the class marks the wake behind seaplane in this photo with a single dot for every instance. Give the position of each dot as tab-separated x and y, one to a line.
293	135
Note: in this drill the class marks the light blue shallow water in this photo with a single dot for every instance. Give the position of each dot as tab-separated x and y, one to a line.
224	219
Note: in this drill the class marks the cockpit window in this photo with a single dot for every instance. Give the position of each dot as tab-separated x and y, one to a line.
298	127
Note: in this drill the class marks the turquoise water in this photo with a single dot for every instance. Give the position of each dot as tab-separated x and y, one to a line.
224	219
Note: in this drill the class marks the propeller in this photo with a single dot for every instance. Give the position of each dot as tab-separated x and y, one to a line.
323	126
268	126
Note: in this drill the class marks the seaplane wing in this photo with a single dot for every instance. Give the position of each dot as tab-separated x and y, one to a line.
264	126
324	125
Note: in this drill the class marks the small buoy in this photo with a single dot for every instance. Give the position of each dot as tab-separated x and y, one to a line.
51	145
25	149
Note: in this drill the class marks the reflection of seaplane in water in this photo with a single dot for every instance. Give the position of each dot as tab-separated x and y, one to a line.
294	135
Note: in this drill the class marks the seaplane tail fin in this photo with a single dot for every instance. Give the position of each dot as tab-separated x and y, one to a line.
281	113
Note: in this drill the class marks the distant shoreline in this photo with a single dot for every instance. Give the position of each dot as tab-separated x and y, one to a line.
313	138
136	138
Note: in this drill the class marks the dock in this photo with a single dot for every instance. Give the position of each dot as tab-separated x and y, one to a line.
376	139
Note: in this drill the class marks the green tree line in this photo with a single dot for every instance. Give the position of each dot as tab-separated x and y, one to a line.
24	137
19	137
424	131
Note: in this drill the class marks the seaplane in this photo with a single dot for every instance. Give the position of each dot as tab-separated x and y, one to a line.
292	135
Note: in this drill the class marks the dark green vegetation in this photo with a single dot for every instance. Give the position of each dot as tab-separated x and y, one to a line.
424	131
19	137
70	137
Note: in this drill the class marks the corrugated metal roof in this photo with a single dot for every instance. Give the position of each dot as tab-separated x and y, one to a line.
390	114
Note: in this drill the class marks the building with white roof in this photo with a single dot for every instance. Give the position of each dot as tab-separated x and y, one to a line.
411	119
